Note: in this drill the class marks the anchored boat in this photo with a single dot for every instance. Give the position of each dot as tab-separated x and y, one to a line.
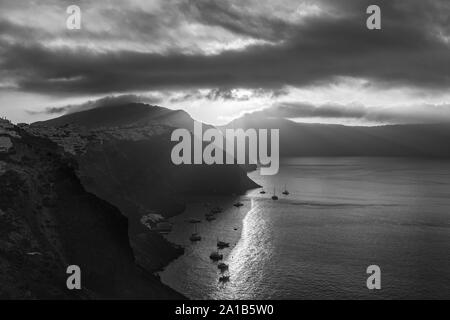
216	210
216	256
274	197
222	244
195	236
285	192
222	266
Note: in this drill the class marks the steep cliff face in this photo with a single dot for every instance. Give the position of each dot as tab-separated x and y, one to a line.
138	176
48	221
123	156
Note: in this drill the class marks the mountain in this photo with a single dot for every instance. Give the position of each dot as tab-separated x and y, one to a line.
122	115
124	157
302	139
49	221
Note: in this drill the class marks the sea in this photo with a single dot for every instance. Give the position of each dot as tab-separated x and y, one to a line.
341	216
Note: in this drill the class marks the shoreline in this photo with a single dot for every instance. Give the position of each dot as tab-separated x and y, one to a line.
195	208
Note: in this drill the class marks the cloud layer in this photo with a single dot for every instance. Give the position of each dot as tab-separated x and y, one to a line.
412	49
424	113
137	46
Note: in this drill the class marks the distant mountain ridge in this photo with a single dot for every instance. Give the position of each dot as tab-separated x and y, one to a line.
303	139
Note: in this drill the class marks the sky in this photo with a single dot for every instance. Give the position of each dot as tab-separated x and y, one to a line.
310	61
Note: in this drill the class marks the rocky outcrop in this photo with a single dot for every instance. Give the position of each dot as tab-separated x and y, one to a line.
6	133
49	221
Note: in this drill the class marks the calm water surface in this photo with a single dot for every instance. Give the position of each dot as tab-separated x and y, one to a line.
342	215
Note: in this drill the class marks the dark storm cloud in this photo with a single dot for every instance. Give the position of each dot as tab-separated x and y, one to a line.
411	114
239	20
410	50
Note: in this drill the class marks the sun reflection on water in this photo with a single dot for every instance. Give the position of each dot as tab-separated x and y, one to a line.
247	258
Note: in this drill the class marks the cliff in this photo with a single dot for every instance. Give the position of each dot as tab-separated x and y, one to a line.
124	156
123	153
49	221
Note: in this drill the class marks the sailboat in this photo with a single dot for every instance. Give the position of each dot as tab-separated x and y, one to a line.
238	204
285	192
225	278
222	244
222	267
274	197
215	256
195	236
210	216
216	210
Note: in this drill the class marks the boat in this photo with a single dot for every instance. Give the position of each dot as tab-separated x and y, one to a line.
216	256
274	197
210	218
285	192
222	266
238	204
224	278
216	210
222	244
195	236
193	220
262	192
